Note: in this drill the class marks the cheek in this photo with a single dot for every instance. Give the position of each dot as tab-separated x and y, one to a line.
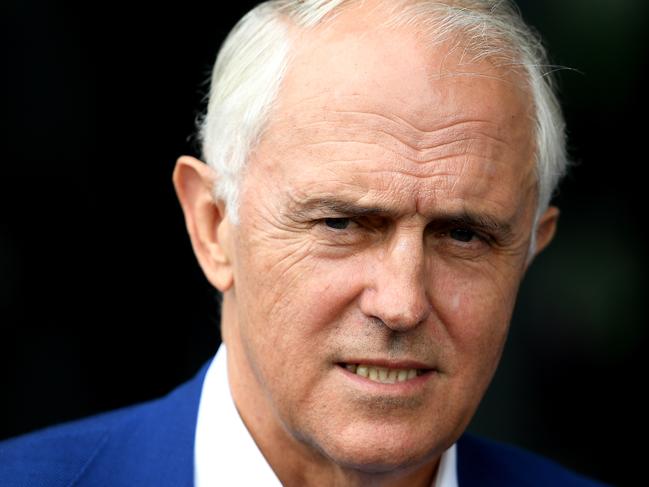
302	301
476	310
298	299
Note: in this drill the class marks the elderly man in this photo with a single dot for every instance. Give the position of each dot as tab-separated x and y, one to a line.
378	181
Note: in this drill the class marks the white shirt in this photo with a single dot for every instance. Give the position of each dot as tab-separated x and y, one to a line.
225	453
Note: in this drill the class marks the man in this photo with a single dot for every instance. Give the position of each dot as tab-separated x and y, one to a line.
378	181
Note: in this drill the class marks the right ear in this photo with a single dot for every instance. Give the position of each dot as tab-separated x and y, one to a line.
206	220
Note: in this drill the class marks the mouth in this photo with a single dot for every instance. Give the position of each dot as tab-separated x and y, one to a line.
384	375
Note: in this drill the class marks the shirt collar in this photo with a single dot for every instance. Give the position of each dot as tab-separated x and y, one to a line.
225	452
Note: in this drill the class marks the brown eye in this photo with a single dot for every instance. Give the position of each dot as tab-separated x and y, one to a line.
337	223
462	234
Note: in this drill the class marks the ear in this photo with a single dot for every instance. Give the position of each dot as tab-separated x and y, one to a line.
546	228
206	220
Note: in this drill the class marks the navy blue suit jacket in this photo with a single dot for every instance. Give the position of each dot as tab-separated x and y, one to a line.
152	444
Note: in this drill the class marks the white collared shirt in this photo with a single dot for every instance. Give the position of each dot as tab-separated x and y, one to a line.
224	451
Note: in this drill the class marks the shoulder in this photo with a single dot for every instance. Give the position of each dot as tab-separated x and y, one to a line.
58	454
151	443
486	462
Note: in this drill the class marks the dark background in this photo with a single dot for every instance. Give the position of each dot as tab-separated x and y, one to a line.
102	302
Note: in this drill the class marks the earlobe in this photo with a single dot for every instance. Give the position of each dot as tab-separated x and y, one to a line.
546	228
205	219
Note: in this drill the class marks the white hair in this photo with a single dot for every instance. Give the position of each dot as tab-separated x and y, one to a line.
252	61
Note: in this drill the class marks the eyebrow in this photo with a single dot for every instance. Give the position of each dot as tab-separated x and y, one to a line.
311	207
305	209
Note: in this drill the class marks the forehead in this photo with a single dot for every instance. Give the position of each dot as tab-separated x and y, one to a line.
367	100
354	54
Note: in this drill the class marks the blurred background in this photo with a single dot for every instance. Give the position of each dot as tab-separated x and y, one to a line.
102	302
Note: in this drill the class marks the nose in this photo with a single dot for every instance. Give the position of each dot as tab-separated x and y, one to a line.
396	293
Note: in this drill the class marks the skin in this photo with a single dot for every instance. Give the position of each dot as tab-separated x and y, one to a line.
355	244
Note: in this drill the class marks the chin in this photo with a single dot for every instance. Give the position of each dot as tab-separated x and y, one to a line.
382	451
381	460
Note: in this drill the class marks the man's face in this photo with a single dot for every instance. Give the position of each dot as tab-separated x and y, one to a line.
384	225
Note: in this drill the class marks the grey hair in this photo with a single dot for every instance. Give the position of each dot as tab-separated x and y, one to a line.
253	59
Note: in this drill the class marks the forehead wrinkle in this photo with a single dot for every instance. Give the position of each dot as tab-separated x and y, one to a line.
424	147
437	176
384	181
394	154
382	197
402	125
391	125
435	179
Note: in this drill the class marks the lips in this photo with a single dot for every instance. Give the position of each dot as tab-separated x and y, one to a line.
385	374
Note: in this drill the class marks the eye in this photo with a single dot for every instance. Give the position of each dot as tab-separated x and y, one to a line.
337	223
462	234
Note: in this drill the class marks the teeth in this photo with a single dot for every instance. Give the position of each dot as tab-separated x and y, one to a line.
362	371
382	374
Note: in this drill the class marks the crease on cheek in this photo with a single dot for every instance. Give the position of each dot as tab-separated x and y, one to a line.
284	263
286	271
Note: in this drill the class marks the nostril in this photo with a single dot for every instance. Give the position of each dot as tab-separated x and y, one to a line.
406	319
399	310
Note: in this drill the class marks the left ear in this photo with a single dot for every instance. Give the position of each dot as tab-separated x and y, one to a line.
545	229
206	220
